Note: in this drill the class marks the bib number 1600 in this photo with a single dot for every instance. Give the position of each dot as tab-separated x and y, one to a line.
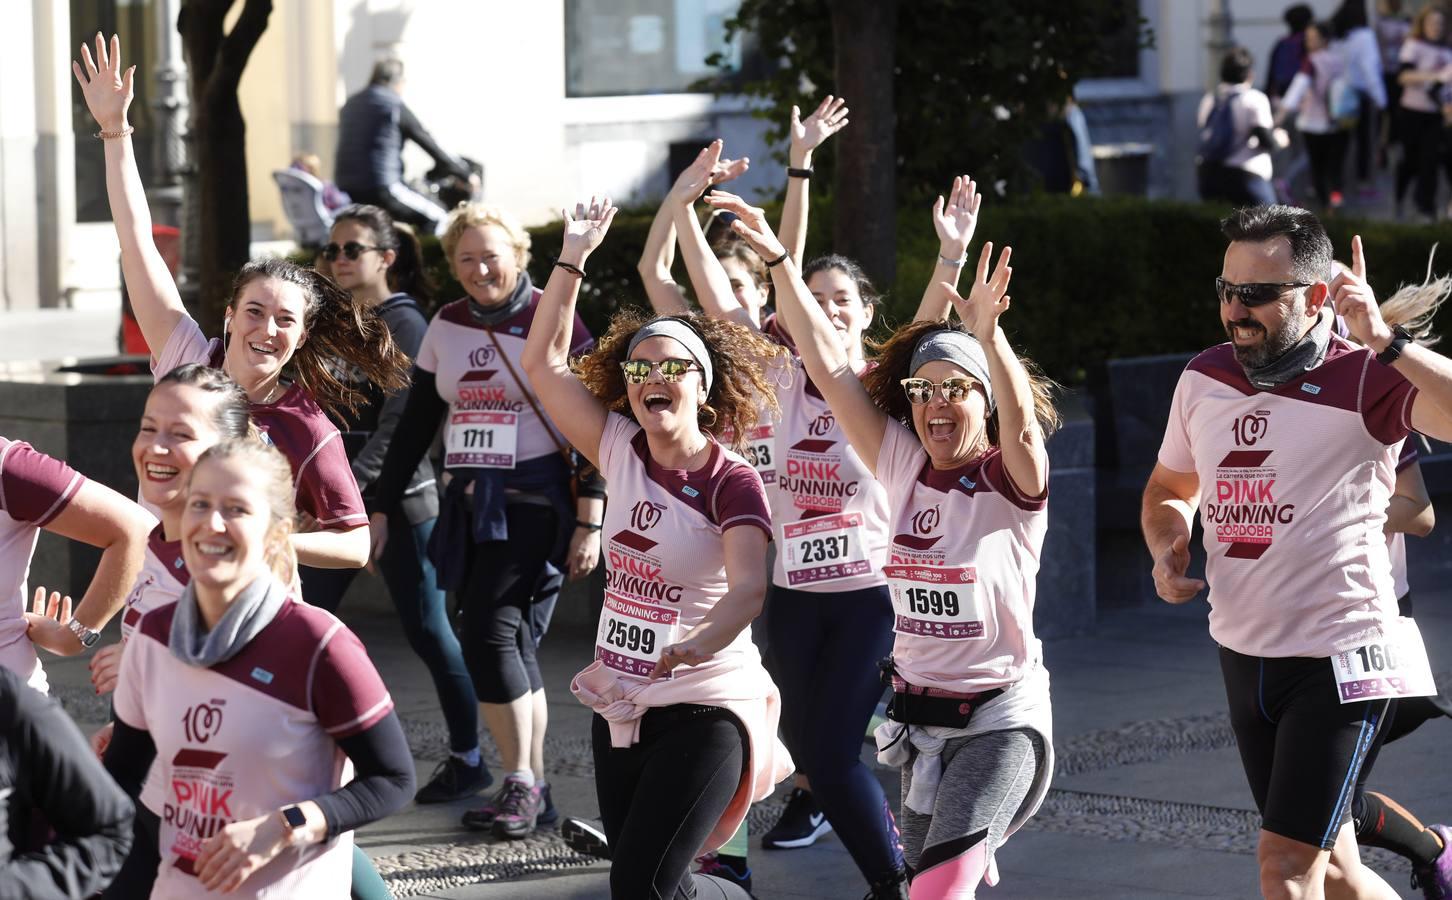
630	637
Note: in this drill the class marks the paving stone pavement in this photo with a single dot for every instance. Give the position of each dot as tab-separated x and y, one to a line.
1148	798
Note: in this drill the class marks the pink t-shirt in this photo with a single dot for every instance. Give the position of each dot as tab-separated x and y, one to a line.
1294	486
248	737
665	568
34	488
1424	58
471	377
323	482
820	477
972	532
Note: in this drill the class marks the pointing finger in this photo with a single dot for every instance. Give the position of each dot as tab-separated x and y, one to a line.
1358	258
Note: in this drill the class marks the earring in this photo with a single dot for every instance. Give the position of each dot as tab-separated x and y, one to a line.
707	416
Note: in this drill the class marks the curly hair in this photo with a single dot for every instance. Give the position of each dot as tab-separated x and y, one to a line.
743	361
894	363
338	328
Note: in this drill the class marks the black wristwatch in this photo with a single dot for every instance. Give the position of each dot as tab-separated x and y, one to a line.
293	818
1393	352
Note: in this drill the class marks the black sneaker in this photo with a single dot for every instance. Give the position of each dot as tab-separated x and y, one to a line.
585	837
800	825
454	779
893	887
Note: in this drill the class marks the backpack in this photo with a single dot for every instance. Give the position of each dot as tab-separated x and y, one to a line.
1217	135
1343	101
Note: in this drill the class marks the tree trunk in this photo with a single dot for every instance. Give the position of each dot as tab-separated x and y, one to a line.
221	228
864	40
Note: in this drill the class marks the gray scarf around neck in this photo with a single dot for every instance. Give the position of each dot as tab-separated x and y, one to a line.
249	613
1305	355
493	315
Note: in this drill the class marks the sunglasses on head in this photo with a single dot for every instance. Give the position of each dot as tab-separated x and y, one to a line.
1256	293
637	371
920	390
352	250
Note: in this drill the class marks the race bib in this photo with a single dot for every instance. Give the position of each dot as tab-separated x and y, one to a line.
633	634
761	452
935	601
485	440
827	548
1395	666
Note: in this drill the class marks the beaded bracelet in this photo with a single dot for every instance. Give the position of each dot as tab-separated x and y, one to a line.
109	135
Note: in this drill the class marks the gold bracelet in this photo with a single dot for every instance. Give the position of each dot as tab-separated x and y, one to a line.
109	135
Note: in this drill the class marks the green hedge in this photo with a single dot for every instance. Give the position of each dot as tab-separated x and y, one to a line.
1093	280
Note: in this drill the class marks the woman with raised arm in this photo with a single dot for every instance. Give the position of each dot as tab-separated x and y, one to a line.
685	731
283	330
507	527
41	493
274	698
831	521
953	425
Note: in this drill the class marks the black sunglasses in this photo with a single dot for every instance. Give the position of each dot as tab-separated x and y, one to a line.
1255	293
352	250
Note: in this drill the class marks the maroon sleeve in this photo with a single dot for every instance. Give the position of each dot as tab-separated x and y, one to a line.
1386	401
999	476
34	487
346	693
740	499
1409	455
327	490
581	340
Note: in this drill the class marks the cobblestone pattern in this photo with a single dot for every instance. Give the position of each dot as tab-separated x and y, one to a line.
459	863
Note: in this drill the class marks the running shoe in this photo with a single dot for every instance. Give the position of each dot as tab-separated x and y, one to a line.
585	837
1435	880
517	809
454	779
800	825
711	864
482	819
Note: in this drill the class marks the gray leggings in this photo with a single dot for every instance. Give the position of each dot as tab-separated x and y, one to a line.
986	781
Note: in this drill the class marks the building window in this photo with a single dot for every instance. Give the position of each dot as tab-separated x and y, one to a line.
615	47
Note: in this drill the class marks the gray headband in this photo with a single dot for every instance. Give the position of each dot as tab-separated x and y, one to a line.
682	333
960	349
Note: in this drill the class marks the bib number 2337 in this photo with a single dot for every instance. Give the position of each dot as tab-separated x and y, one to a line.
484	440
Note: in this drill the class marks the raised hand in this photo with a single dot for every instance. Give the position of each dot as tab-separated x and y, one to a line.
989	297
707	169
808	134
1356	302
1171	582
750	224
586	228
107	89
955	220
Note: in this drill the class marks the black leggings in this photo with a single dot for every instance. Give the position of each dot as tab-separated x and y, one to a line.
1421	134
496	625
661	798
1328	159
826	647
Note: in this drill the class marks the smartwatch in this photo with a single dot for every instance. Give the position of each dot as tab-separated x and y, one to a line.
1400	339
293	818
86	636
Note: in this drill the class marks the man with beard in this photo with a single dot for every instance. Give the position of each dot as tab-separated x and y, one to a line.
1285	439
